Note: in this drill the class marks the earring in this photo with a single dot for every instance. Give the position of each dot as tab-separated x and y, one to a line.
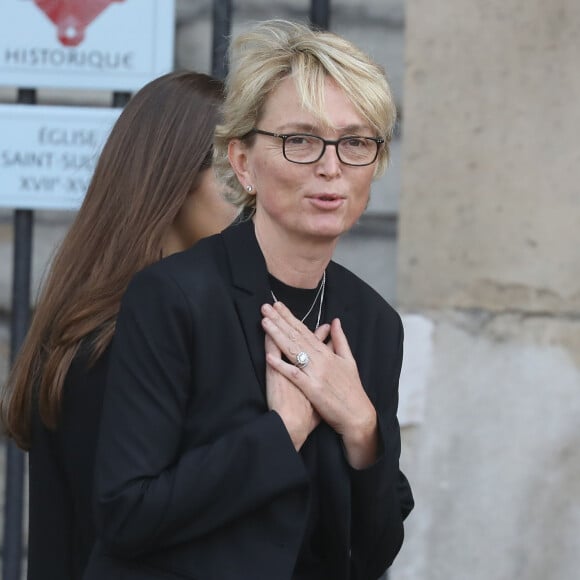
249	188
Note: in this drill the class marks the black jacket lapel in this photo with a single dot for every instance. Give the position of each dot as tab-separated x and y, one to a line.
250	288
337	306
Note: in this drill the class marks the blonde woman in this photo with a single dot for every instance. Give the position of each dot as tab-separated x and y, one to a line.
249	426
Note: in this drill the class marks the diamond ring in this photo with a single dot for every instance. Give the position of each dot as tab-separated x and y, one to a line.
302	359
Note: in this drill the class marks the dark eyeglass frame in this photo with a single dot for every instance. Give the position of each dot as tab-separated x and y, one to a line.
378	140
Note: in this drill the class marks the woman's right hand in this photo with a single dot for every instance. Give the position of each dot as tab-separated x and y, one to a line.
297	413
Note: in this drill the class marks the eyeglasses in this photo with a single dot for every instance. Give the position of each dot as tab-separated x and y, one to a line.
305	148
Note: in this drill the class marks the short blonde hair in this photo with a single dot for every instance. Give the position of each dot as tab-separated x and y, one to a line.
276	49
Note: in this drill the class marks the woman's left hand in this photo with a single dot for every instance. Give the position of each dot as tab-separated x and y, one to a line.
330	380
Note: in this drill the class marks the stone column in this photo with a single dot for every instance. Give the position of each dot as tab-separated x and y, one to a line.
489	259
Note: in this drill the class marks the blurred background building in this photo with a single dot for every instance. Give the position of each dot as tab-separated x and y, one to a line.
474	234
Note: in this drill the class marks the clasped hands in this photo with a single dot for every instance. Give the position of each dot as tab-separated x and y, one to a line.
328	388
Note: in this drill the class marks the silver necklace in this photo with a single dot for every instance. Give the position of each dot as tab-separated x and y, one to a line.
320	294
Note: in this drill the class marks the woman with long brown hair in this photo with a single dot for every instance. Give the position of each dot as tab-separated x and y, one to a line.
153	193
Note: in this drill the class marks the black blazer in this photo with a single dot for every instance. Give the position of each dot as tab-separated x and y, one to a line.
61	529
195	478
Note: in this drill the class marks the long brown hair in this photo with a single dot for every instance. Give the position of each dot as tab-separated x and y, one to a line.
150	163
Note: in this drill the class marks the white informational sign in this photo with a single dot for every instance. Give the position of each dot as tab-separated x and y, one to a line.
48	154
116	45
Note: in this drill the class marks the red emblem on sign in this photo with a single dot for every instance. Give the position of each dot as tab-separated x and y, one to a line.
72	16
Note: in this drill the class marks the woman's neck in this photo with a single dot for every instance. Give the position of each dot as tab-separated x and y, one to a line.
299	261
171	242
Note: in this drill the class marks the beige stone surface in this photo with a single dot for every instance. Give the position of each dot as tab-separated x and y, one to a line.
495	466
488	252
491	163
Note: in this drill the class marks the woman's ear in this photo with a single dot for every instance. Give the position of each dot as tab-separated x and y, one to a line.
238	157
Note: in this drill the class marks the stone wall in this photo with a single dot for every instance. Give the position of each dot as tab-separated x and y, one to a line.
488	256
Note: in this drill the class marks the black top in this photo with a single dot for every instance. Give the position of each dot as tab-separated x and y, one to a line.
61	466
300	301
312	561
